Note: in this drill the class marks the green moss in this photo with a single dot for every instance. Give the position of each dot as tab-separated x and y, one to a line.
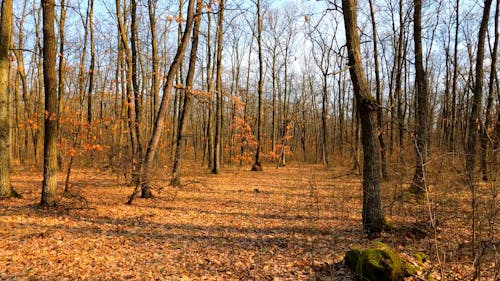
420	257
379	263
389	226
351	258
374	265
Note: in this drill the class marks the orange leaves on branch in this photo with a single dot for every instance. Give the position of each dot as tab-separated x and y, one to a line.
72	152
199	94
128	104
50	116
177	18
93	147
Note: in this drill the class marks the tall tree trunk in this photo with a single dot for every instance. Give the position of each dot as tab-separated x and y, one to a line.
324	115
489	119
49	187
286	97
366	106
274	118
400	63
210	125
422	108
454	94
378	93
218	94
245	98
135	84
6	189
445	111
28	110
92	63
155	85
131	122
474	117
474	123
186	108
145	180
61	72
257	166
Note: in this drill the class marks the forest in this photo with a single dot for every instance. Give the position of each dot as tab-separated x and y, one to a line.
249	140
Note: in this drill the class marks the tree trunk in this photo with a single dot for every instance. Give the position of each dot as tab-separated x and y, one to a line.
474	123
489	119
257	166
218	94
135	85
454	94
378	93
324	113
128	66
28	108
145	181
210	125
186	108
400	62
6	189
474	118
418	186
92	63
155	85
366	106
49	187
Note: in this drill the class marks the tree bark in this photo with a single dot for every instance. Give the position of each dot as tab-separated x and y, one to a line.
135	84
186	107
454	90
378	93
6	189
49	187
474	124
155	85
257	166
366	106
92	63
489	119
474	118
218	95
145	180
421	130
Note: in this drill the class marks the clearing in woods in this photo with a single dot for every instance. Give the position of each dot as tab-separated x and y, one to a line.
292	223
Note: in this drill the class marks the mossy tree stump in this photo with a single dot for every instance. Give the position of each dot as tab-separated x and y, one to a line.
380	263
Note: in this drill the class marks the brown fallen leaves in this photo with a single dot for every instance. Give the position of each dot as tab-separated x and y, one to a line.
297	227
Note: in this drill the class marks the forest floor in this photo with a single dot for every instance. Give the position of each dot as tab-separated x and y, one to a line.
292	223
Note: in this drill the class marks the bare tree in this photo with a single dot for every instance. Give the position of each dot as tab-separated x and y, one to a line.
373	218
144	183
6	189
474	118
92	62
378	92
155	85
188	97
257	166
475	124
489	119
422	109
49	187
454	89
323	42
217	152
